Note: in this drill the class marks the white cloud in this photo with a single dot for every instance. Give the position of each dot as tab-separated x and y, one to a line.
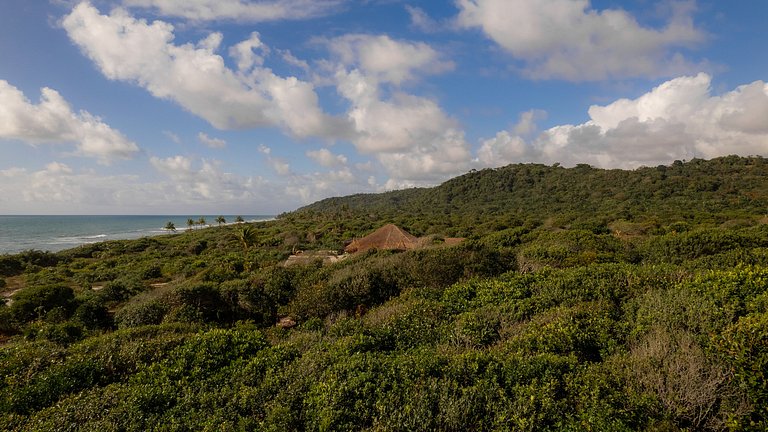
57	188
308	188
176	167
438	158
568	39
420	19
216	143
280	165
294	61
195	77
240	10
327	159
396	124
411	136
511	146
53	121
386	59
204	181
186	185
244	53
172	136
679	119
503	148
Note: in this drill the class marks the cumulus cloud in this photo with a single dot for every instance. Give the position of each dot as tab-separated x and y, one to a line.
211	142
386	59
679	119
568	39
182	185
245	52
311	187
205	181
194	76
325	158
61	189
279	165
53	121
411	136
240	10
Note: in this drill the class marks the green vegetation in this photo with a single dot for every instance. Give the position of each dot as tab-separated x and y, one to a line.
581	299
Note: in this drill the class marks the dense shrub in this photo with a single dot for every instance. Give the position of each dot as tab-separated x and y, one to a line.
140	314
121	289
93	314
35	302
11	265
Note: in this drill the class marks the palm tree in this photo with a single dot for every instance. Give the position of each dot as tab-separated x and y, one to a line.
247	237
170	226
201	221
239	219
190	223
220	220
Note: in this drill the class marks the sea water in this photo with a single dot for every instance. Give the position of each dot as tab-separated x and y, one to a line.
55	233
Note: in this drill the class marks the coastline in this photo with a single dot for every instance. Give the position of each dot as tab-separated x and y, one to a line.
19	233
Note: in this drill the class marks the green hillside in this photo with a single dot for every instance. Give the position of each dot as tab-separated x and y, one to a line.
580	299
699	190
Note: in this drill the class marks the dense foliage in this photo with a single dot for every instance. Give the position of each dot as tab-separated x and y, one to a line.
582	299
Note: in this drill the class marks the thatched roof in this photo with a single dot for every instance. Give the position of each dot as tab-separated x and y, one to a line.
387	237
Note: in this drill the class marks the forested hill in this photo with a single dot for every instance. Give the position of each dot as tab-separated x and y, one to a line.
696	190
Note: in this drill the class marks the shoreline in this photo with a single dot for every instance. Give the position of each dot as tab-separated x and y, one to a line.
57	233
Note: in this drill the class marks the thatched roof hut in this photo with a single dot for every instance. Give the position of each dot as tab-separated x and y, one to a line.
387	237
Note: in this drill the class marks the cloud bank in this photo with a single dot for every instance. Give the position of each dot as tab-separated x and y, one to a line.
679	119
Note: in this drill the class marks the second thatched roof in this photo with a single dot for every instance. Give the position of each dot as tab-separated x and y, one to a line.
389	236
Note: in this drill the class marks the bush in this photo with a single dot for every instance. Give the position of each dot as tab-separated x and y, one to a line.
139	314
247	300
121	289
63	333
744	346
7	325
200	299
35	302
93	314
676	248
11	265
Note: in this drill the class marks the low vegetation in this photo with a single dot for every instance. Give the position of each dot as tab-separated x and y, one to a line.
581	299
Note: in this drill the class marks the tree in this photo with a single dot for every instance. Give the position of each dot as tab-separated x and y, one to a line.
239	219
220	220
170	226
201	221
247	237
190	223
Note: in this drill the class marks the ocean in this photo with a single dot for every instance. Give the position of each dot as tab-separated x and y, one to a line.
55	233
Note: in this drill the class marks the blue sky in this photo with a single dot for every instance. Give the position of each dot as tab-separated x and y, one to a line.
258	107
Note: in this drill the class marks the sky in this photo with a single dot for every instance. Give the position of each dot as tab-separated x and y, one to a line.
262	106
